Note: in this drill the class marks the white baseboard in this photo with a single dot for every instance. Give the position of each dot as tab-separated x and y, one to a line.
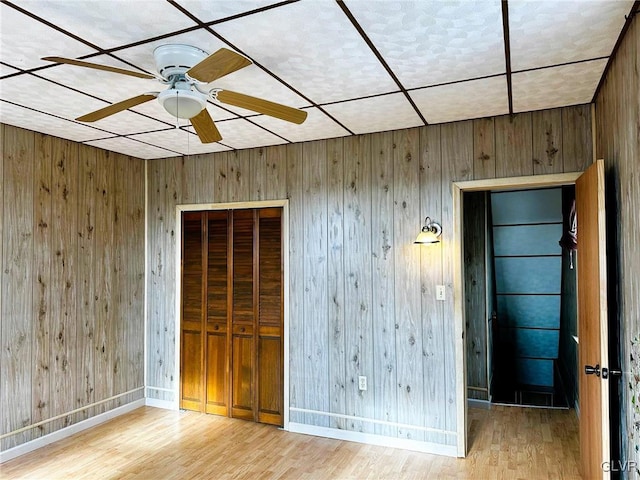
166	404
32	445
371	439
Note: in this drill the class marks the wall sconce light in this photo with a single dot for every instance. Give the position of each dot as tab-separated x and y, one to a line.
430	232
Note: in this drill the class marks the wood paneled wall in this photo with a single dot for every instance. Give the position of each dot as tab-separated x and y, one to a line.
72	282
362	295
618	143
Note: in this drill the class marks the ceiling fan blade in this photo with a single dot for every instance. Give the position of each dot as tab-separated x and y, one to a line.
117	107
205	128
217	65
80	63
259	105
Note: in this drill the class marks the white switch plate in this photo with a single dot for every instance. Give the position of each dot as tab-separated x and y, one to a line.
362	382
440	292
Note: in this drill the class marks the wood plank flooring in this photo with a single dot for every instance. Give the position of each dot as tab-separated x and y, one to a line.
148	443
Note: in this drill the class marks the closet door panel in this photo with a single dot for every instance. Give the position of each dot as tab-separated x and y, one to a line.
191	385
270	307
217	352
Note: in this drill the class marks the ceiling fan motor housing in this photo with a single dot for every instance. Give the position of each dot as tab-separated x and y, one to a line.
176	59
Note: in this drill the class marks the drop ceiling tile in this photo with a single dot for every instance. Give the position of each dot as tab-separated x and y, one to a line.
313	47
316	126
42	95
377	114
549	32
427	43
556	86
48	124
24	40
109	23
179	140
202	10
132	148
460	101
240	133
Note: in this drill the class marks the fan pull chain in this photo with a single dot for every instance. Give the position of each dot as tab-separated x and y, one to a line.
177	108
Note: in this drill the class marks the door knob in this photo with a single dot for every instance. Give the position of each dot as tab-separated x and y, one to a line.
589	370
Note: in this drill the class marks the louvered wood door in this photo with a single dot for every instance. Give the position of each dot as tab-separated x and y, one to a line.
216	352
232	341
192	395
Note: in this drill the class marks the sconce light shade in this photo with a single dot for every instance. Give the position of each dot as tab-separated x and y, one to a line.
430	232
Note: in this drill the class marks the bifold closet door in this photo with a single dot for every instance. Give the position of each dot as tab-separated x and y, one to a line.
232	314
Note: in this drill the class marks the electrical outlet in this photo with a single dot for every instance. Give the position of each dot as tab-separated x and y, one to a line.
362	382
440	292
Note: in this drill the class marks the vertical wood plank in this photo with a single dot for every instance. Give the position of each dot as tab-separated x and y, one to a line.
63	294
514	150
134	289
382	267
118	324
457	163
295	194
335	280
156	276
315	281
221	177
406	167
86	279
258	170
484	148
576	138
357	272
42	253
171	244
188	176
547	141
17	318
204	184
276	172
103	233
239	175
431	194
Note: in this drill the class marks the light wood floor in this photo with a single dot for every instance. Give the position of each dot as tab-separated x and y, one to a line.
506	443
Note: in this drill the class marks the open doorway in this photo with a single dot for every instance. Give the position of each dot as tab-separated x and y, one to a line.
520	296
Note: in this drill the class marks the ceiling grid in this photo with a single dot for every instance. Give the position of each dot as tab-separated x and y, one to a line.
354	66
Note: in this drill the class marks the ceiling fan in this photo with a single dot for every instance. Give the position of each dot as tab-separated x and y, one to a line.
187	70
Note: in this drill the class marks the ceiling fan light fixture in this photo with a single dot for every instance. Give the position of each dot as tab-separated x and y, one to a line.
182	103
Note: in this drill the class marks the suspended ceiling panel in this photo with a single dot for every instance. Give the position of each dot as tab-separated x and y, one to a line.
386	112
464	100
557	86
552	33
435	42
355	66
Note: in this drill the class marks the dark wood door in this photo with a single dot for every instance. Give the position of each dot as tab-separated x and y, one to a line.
232	314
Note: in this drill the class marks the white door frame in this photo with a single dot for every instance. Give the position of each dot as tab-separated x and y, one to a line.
285	252
509	183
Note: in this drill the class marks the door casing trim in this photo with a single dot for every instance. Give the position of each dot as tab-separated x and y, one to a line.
457	189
